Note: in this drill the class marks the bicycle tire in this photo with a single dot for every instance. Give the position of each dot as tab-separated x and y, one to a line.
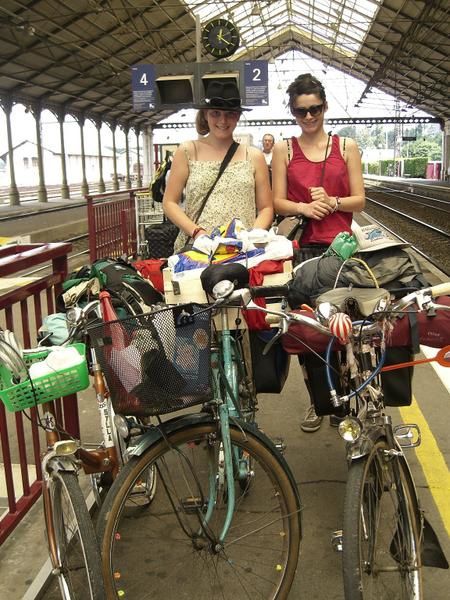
381	530
78	560
145	548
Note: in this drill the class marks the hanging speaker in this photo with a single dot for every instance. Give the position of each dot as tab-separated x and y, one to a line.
175	91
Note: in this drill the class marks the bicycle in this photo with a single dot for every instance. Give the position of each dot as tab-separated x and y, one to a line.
226	520
71	538
384	532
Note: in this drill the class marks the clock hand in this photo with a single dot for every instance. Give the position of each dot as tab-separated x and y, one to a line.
222	39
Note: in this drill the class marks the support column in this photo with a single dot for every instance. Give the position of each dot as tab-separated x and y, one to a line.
101	182
116	186
147	136
65	192
126	129
14	197
151	154
445	172
42	191
137	129
84	184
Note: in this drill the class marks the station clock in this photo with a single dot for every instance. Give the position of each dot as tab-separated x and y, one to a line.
220	38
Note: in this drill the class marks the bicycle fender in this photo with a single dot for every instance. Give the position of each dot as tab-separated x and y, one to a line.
155	434
364	445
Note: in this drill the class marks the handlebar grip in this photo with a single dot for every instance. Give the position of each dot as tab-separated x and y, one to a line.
270	291
442	289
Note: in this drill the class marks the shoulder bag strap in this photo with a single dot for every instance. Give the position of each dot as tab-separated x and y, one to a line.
322	174
226	160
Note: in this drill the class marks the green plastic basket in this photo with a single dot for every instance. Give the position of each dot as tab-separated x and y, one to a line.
55	385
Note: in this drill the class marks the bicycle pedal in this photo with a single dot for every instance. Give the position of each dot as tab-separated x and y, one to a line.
280	445
192	505
337	540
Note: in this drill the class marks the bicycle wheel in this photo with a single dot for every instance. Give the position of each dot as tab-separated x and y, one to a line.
381	545
148	550
78	564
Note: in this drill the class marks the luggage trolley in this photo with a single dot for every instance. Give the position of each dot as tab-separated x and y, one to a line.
148	212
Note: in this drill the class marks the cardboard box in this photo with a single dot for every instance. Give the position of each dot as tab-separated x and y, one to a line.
190	290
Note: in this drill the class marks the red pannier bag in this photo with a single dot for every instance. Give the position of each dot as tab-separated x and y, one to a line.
151	269
433	331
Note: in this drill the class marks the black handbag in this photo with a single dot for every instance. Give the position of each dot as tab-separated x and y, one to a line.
160	239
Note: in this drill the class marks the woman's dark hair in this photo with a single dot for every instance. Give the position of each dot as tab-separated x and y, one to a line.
305	84
201	124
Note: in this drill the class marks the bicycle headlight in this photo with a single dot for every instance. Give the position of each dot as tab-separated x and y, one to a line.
65	447
122	426
350	429
72	315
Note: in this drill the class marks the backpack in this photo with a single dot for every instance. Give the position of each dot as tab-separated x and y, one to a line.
158	183
124	283
131	294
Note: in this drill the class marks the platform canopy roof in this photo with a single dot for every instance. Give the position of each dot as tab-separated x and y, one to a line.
75	56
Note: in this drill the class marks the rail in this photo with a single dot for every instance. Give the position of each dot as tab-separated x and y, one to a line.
23	304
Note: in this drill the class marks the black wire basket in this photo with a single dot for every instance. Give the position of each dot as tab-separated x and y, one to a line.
158	362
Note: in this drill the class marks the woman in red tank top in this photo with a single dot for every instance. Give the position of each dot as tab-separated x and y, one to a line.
316	175
319	177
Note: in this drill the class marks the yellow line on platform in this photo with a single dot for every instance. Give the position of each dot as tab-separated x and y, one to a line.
432	461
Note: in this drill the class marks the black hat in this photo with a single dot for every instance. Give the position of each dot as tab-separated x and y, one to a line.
222	95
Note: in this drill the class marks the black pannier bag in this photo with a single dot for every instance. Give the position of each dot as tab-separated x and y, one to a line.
160	239
270	371
397	385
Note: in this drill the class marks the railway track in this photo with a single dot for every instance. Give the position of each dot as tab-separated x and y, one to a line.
419	220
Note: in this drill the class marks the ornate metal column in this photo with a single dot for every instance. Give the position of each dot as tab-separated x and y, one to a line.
147	136
445	169
42	191
14	197
101	182
84	184
126	129
113	126
137	130
65	192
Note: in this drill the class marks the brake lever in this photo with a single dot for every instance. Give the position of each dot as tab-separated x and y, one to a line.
276	337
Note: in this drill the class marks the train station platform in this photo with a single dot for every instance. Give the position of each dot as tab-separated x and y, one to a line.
319	467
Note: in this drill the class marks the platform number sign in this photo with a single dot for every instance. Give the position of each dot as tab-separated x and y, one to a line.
256	82
144	87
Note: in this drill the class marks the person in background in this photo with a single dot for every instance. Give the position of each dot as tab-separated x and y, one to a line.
243	191
318	176
268	142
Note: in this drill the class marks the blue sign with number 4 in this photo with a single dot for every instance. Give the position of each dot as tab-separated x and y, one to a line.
144	87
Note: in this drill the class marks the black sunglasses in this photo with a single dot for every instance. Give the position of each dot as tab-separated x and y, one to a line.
312	110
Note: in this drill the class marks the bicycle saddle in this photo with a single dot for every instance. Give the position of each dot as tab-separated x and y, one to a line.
367	300
234	272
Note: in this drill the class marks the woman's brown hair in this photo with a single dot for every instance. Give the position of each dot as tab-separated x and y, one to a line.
201	124
305	84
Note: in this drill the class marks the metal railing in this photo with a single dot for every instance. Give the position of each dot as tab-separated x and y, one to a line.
112	224
23	305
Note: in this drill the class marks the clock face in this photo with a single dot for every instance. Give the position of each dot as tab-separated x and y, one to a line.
220	38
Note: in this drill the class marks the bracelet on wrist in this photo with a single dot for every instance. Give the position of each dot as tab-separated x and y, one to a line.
337	205
197	231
